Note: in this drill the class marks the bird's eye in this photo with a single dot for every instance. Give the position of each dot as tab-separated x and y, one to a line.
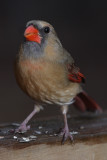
46	29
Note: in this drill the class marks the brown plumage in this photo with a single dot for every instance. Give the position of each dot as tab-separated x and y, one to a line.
46	72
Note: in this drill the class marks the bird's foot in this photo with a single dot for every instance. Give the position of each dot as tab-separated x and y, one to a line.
22	128
65	133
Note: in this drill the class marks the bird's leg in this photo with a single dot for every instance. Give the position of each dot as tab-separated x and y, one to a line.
65	132
23	126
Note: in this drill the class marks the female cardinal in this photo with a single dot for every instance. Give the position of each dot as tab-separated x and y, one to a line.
47	73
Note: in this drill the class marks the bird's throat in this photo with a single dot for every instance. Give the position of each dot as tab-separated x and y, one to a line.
31	50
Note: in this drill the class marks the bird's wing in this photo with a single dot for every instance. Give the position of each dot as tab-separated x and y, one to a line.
74	73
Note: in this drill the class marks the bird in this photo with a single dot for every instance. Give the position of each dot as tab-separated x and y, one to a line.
47	73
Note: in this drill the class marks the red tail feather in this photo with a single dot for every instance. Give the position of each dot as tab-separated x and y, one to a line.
83	102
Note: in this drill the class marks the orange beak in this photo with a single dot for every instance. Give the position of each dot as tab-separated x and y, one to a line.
32	34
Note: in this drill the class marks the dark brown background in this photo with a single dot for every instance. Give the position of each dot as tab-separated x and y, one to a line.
82	29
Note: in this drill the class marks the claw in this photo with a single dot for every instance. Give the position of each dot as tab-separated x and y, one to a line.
22	129
66	134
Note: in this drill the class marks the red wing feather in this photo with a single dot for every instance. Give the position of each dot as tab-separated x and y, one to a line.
75	75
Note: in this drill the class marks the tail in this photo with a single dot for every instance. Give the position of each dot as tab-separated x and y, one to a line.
83	102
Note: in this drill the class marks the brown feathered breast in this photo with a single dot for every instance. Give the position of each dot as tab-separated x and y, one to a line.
45	81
